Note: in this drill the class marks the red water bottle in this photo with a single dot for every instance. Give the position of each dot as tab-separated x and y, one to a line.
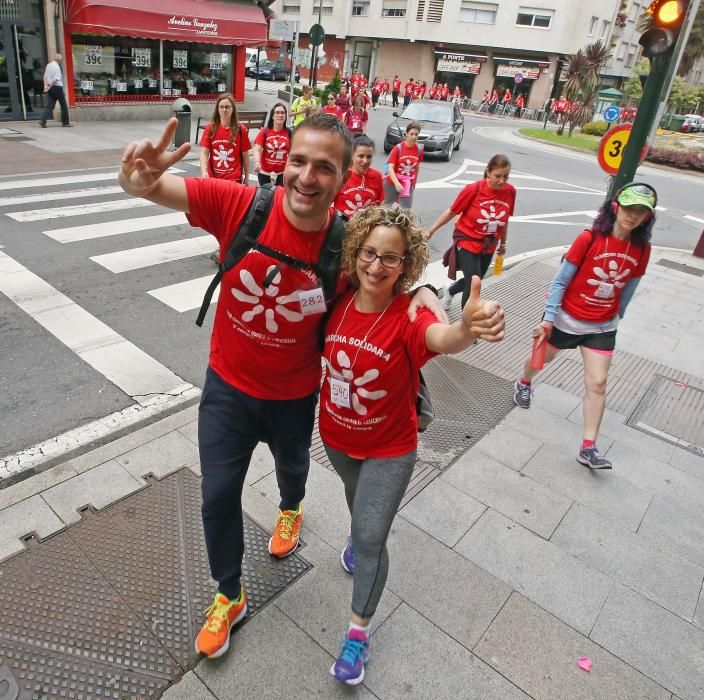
537	357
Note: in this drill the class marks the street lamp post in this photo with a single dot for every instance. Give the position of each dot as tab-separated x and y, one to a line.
314	56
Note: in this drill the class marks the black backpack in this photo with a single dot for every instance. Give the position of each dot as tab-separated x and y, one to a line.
245	239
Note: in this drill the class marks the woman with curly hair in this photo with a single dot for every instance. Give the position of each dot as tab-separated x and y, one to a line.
587	298
373	355
225	144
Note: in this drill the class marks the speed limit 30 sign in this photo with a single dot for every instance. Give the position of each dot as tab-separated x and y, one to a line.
611	148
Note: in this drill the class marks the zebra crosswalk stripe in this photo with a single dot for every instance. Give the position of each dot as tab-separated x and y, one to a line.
78	210
58	196
184	296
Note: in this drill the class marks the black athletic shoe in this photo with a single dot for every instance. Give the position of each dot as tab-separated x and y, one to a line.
521	394
592	458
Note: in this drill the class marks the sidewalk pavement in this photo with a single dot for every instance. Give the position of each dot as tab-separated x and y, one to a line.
506	569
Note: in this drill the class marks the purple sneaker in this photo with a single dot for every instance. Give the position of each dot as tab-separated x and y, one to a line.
354	656
347	557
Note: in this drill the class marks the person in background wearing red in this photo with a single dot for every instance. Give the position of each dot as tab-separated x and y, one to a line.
363	186
395	89
363	82
456	94
376	92
385	89
408	92
368	420
366	100
271	147
589	295
561	107
343	99
445	92
403	168
331	107
432	92
417	90
493	101
520	104
484	208
507	97
356	117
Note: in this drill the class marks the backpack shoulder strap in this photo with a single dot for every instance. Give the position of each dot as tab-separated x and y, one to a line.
241	243
328	267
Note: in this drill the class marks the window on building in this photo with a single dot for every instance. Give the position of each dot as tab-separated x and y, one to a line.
478	12
393	8
360	8
435	8
592	26
327	9
630	59
634	12
528	17
621	51
292	9
605	26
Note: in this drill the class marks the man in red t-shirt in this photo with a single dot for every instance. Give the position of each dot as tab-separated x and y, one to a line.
445	92
395	89
385	89
408	92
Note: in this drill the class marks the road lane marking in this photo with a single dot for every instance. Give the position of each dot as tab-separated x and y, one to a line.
65	180
693	218
58	196
146	256
114	228
185	296
78	209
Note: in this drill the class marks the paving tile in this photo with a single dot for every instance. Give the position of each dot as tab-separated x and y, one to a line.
330	586
160	457
190	687
679	530
508	446
443	511
658	477
636	441
653	640
512	493
190	431
325	507
99	487
552	430
631	559
699	612
246	670
557	581
688	462
24	518
398	670
453	593
22	490
603	491
556	401
539	653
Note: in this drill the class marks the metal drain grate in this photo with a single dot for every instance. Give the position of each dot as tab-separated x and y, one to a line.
680	267
109	607
673	411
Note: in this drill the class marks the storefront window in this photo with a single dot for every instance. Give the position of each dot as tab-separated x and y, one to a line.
125	68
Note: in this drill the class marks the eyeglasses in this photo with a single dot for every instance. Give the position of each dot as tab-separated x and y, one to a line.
390	260
226	108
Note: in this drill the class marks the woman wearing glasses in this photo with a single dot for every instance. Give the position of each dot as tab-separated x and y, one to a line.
373	354
587	298
225	144
271	147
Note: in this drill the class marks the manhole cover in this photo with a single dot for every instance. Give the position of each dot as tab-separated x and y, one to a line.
673	411
109	607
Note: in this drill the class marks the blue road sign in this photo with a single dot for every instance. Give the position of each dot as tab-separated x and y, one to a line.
611	114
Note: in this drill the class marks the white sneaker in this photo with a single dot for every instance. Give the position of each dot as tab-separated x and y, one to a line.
446	297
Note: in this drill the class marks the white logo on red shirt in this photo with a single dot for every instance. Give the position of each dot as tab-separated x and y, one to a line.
490	216
357	389
261	298
276	147
356	204
613	276
223	157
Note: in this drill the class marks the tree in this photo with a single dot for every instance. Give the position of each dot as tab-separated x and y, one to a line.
632	87
582	72
683	97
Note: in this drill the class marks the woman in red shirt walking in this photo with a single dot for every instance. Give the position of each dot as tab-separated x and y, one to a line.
484	208
368	423
403	168
356	117
363	186
587	298
272	146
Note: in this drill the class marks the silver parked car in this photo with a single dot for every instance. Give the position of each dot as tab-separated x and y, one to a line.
441	127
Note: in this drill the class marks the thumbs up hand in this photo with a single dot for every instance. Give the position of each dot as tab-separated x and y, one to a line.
481	318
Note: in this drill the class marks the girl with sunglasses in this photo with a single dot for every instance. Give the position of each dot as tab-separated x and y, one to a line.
587	298
373	354
332	108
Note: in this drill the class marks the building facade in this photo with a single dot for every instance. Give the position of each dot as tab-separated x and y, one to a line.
124	54
478	46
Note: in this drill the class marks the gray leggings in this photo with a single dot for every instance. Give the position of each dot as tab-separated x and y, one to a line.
391	195
373	489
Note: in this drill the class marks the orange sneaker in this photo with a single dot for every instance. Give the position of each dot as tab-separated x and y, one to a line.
213	640
286	530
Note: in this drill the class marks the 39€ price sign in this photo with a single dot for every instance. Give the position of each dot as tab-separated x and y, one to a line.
611	148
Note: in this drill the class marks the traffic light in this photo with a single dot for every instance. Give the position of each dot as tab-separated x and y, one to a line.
666	18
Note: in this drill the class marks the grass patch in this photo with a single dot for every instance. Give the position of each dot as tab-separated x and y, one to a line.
578	141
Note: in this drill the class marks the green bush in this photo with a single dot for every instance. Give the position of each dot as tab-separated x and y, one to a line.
598	128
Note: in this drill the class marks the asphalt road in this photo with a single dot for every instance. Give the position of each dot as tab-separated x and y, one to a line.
47	388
